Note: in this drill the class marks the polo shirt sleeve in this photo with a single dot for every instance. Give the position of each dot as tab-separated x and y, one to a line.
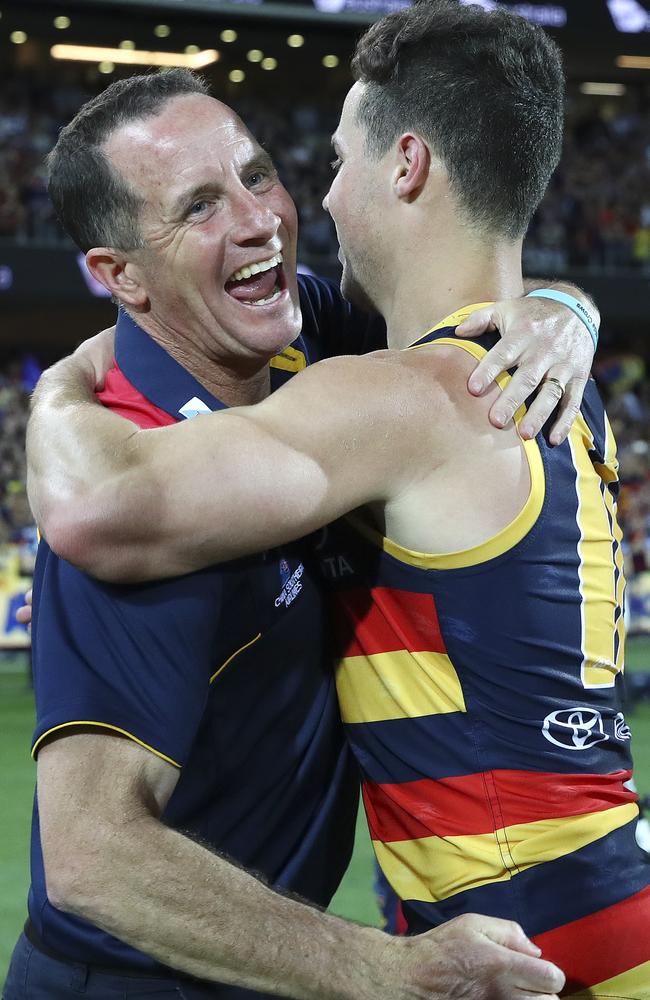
134	660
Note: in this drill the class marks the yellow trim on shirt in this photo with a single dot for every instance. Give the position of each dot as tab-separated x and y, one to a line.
505	539
291	360
102	725
453	319
233	655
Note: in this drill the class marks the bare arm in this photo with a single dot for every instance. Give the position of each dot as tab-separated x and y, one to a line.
110	860
226	484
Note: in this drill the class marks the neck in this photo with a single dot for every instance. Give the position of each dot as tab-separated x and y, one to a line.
235	381
434	281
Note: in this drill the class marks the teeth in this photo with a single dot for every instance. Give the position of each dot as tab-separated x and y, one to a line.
265	302
251	269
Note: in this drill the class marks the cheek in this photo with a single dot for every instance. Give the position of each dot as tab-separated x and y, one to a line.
282	204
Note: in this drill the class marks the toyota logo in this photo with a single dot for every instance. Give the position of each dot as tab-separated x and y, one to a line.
574	728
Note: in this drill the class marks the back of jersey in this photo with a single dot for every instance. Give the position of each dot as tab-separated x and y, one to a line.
481	690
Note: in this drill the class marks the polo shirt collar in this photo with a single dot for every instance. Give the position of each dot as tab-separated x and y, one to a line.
154	373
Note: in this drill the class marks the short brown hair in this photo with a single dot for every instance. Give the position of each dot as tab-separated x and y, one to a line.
486	88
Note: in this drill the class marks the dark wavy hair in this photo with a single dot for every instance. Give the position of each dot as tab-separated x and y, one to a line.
485	88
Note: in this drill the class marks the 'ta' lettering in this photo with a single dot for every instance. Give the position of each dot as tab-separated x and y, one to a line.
336	566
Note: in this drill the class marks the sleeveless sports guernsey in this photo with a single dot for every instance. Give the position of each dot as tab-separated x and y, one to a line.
481	694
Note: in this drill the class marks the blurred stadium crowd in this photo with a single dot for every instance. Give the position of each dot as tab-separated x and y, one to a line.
596	215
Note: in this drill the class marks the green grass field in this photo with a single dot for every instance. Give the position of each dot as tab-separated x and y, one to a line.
354	898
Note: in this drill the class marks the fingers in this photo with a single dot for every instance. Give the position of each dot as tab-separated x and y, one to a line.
550	395
481	321
24	614
567	410
519	388
498	360
535	975
507	933
535	996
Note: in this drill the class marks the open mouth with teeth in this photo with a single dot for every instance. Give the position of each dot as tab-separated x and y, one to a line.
258	284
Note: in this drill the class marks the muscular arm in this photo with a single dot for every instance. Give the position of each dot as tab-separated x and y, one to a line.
239	481
110	860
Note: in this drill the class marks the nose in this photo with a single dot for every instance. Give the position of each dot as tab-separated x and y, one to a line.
253	221
326	202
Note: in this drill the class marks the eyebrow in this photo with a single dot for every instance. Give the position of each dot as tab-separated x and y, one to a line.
260	158
187	198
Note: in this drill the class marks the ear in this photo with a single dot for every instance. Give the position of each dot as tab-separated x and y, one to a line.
118	275
414	160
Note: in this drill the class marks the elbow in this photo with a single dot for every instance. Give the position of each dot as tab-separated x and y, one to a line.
88	535
74	534
71	880
65	884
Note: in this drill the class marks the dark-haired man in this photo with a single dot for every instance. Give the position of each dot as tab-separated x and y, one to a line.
219	673
478	587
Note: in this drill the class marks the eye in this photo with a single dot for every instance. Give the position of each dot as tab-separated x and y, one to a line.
197	207
257	177
335	164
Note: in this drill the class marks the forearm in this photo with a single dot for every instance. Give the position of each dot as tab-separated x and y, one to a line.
171	898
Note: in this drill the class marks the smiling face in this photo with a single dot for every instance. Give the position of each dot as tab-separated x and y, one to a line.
219	263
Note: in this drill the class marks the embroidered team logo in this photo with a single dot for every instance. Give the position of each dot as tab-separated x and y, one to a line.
285	571
574	728
291	585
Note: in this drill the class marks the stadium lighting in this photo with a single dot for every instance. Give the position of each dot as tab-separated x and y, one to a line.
603	89
228	35
295	41
330	62
255	55
18	37
62	22
269	63
236	76
134	57
633	62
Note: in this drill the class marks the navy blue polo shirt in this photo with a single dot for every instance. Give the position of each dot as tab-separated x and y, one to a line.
220	672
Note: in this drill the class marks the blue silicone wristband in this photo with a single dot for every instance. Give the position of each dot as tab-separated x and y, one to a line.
574	305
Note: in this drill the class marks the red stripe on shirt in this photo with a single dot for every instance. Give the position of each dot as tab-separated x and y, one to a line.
479	803
119	396
383	620
602	945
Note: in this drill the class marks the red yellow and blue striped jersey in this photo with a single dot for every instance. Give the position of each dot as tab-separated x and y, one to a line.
481	693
